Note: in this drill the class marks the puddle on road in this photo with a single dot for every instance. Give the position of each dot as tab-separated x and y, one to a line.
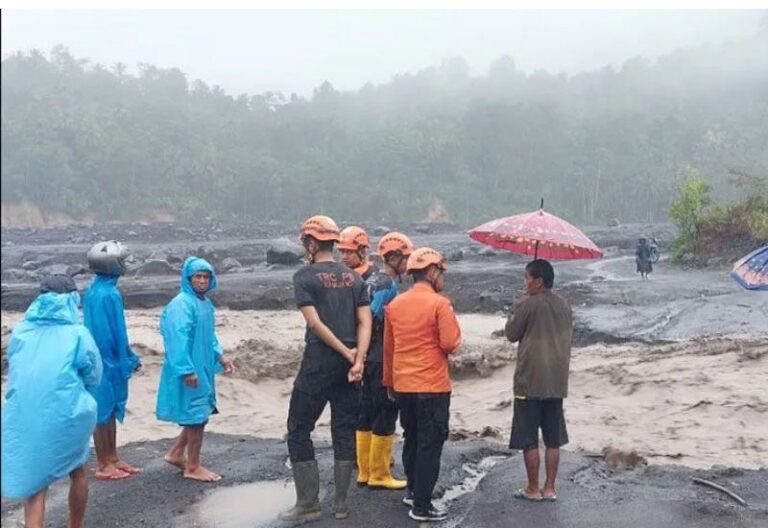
476	473
244	506
257	504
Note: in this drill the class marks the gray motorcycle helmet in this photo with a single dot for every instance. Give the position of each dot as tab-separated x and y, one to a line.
108	258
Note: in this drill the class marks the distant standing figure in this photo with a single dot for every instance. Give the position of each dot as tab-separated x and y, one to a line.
49	412
643	258
543	324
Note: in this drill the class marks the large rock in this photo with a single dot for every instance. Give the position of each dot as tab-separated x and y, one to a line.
480	359
256	359
54	269
230	264
175	260
284	251
31	265
15	275
76	269
156	267
215	256
454	255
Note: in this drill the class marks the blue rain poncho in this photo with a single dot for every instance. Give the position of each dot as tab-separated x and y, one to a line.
49	414
191	347
105	318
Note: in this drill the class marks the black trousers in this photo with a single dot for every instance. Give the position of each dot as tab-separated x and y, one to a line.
306	408
424	418
377	412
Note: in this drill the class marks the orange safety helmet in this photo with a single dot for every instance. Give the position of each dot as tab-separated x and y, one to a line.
395	241
424	257
353	238
320	228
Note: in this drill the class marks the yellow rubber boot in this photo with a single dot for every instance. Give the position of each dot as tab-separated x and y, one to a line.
381	472
363	441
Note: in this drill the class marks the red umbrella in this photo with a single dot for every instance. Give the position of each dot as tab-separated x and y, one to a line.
539	234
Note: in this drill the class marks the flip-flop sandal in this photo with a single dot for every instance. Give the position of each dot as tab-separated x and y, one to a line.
520	494
117	475
129	469
551	498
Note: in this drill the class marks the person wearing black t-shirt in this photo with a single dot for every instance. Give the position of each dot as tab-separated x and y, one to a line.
335	304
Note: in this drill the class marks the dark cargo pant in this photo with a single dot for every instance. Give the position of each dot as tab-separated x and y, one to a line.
377	412
322	379
424	417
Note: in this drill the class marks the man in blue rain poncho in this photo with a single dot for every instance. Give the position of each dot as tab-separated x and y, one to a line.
104	317
187	392
49	415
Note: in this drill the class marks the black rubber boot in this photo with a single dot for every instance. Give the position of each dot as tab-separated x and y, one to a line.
342	476
306	477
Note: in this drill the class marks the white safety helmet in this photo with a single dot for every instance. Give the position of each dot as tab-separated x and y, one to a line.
108	258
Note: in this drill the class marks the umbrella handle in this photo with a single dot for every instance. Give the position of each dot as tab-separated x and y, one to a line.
542	203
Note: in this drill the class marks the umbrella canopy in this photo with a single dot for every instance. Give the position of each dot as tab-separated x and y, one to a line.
752	270
540	234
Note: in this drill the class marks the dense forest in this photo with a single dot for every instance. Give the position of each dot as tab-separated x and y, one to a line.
601	145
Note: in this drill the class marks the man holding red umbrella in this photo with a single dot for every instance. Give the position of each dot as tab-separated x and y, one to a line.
542	323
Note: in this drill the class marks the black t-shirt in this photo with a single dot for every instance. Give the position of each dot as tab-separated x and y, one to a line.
336	292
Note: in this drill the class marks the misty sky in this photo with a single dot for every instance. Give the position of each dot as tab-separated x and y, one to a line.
295	51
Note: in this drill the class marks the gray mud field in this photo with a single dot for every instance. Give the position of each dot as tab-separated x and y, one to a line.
256	264
477	480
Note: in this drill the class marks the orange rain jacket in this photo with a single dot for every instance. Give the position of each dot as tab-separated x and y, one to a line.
420	330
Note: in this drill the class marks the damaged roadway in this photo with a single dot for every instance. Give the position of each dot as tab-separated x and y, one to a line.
610	303
591	494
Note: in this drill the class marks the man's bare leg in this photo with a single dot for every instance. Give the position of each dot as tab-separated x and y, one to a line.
102	442
119	464
531	458
34	510
194	470
78	497
551	463
175	455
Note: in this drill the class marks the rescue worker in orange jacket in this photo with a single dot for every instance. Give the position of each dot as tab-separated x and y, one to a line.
420	331
334	302
395	248
378	414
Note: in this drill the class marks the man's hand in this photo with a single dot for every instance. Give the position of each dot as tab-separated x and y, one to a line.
355	374
228	364
391	394
190	380
351	355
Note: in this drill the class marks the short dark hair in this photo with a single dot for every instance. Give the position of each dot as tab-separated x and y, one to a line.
322	245
58	283
395	253
325	245
421	274
541	269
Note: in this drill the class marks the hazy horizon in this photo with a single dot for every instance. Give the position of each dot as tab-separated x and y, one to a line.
255	51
